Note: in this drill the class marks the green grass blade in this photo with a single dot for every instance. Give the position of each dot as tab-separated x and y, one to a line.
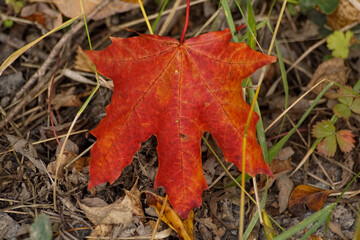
313	228
320	216
251	26
256	217
277	147
229	19
155	23
283	76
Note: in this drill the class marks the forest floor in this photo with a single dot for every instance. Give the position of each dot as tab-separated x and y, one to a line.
57	68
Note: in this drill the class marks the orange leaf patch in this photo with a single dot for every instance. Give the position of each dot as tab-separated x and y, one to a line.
314	198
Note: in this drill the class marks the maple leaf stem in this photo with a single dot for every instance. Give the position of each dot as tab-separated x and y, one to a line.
186	22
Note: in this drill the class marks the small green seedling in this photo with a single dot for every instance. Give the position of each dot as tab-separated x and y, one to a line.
16	4
8	23
326	129
41	228
348	103
339	43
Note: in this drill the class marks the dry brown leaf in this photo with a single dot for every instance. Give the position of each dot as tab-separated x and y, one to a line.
48	132
73	9
336	228
43	14
26	149
278	168
184	229
62	161
334	70
66	99
102	230
83	62
121	212
285	186
347	12
314	198
285	153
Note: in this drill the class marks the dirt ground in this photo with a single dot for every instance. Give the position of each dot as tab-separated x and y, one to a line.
54	67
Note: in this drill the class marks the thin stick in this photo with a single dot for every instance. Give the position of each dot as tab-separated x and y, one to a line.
186	22
159	218
170	17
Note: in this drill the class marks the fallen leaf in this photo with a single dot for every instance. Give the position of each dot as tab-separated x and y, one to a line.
314	198
102	230
122	211
73	9
43	14
345	14
336	228
66	99
176	92
26	149
83	62
279	168
334	70
184	228
285	186
48	132
62	161
285	154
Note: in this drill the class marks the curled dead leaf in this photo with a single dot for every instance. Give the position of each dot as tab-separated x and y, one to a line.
83	62
333	70
60	163
347	12
66	99
313	197
121	212
279	168
183	228
285	186
26	149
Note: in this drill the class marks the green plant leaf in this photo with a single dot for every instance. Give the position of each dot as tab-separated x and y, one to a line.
339	43
346	96
327	146
355	106
326	6
41	228
323	129
346	140
341	110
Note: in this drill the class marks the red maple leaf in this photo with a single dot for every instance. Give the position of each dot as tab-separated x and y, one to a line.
176	92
